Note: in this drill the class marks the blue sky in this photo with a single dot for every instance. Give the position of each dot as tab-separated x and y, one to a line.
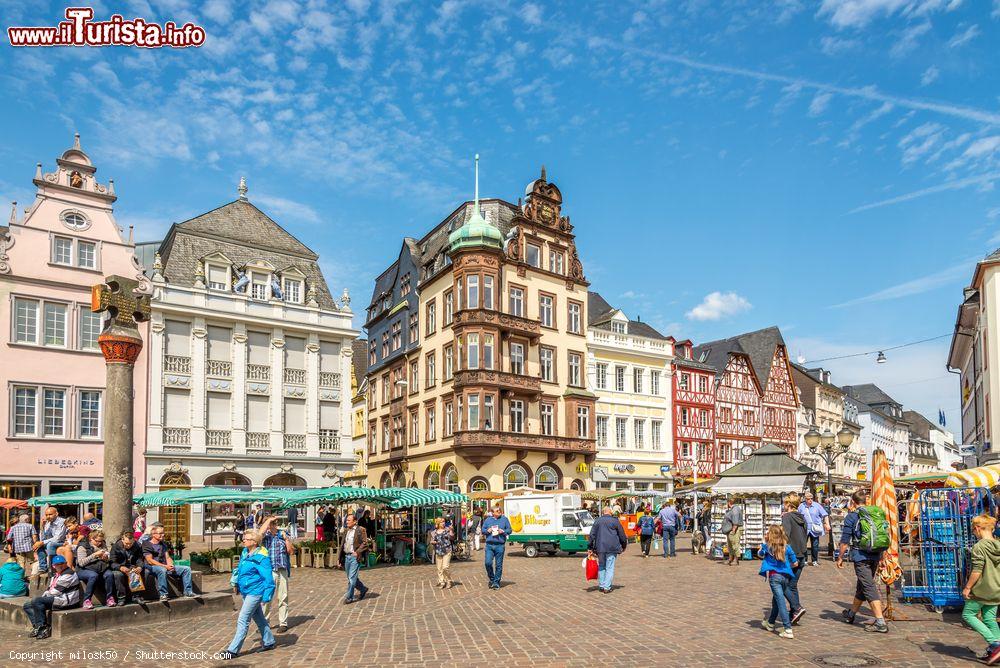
827	167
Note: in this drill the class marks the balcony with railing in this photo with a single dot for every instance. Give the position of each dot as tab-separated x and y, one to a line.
177	437
259	372
176	364
219	368
218	441
258	442
295	376
295	444
627	341
515	382
481	446
329	441
512	324
329	379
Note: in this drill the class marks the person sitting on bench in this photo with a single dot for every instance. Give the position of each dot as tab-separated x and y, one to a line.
93	560
160	564
63	593
126	561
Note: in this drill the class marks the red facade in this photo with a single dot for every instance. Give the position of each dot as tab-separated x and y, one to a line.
737	411
779	403
694	415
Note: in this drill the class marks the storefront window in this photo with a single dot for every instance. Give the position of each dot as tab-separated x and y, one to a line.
515	476
546	478
451	481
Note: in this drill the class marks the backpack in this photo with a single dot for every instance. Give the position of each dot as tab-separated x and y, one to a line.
872	533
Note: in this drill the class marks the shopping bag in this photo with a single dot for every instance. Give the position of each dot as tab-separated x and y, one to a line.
591	569
135	582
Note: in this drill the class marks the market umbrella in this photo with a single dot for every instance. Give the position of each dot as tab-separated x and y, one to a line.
884	496
408	497
13	504
983	476
485	496
68	498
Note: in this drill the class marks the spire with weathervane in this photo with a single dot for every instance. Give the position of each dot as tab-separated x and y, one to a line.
242	189
476	232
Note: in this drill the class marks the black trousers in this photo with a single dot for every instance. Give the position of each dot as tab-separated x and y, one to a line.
644	542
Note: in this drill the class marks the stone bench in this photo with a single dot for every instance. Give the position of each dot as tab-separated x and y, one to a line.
150	594
78	621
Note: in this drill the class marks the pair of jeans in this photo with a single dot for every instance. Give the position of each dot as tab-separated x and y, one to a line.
607	574
669	541
494	562
987	626
792	593
351	567
779	583
37	610
814	548
251	610
644	541
89	579
45	554
183	572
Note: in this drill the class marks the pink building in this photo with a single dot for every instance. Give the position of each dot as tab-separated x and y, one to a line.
51	369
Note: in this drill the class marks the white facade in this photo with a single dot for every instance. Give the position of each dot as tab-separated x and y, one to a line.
631	376
945	449
892	436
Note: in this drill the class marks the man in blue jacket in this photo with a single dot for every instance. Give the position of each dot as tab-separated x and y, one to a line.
607	541
865	565
496	528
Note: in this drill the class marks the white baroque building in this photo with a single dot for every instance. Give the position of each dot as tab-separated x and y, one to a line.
249	364
882	426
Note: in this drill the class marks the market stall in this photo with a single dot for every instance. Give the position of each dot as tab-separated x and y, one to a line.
759	483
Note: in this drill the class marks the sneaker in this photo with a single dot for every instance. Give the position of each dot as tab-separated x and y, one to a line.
798	615
190	594
111	602
985	654
227	655
35	630
88	605
848	616
767	625
268	648
361	596
994	656
164	599
875	627
348	601
283	628
43	633
786	633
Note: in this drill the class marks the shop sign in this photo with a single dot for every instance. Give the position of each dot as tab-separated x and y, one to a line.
65	463
581	467
599	474
624	468
665	470
434	466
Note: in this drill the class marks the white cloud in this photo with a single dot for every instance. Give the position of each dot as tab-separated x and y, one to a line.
859	13
718	305
531	14
819	103
929	76
909	40
993	213
834	46
964	37
949	185
280	207
983	147
916	286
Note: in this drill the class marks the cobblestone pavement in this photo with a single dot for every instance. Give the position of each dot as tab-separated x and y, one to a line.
687	611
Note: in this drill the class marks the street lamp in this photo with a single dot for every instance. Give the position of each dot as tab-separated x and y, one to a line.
829	447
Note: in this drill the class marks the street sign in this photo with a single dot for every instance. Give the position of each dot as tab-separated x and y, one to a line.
967	449
665	469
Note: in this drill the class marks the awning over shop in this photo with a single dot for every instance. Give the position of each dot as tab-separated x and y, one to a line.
408	497
768	470
934	477
68	498
984	476
765	484
183	497
334	494
601	494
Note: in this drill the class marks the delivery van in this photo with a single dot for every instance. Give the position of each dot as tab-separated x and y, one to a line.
548	523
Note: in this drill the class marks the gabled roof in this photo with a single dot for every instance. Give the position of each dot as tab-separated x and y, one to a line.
759	346
359	358
605	312
870	394
768	460
243	222
919	425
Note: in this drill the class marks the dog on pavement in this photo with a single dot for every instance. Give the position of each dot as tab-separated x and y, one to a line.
698	543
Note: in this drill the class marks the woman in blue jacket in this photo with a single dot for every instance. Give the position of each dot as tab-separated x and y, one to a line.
254	579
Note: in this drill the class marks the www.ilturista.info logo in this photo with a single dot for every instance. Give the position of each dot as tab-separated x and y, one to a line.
80	30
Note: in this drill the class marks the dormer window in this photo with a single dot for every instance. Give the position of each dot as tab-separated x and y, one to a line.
293	290
259	282
618	327
218	277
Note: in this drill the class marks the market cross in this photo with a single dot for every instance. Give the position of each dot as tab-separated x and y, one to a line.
121	344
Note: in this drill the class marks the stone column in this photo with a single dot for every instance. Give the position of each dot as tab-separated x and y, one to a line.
120	342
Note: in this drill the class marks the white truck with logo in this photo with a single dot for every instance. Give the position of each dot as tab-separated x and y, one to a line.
548	522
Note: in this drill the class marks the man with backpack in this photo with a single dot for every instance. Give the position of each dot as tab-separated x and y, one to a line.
866	535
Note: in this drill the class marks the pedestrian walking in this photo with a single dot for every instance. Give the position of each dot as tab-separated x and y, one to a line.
442	538
254	580
293	523
280	550
320	514
778	561
645	525
732	527
476	528
20	538
817	523
670	522
705	523
865	560
496	528
607	541
982	589
794	525
239	527
353	550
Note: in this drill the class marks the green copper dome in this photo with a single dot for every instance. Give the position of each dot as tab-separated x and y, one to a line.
476	232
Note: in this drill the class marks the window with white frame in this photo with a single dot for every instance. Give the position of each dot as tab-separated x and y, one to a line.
293	290
582	421
75	220
430	373
574	325
702	384
259	285
602	376
575	365
685	381
86	255
602	431
517	358
545	310
449	307
685	419
619	378
621	425
90	413
556	259
449	419
533	255
617	327
637	380
639	427
62	251
71	252
414	327
54	412
702	418
656	433
654	383
473	411
25	411
431	317
516	416
548	419
472	360
25	321
487	351
218	277
488	292
429	419
449	362
516	302
473	300
90	326
488	411
546	358
55	325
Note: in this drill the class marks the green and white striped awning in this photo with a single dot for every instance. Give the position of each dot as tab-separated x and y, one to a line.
407	497
183	497
307	497
67	498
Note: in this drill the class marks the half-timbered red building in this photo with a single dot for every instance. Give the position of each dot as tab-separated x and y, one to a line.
694	414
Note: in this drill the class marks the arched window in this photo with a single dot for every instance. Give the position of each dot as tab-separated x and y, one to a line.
479	485
451	480
385	481
577	485
515	476
432	480
546	478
